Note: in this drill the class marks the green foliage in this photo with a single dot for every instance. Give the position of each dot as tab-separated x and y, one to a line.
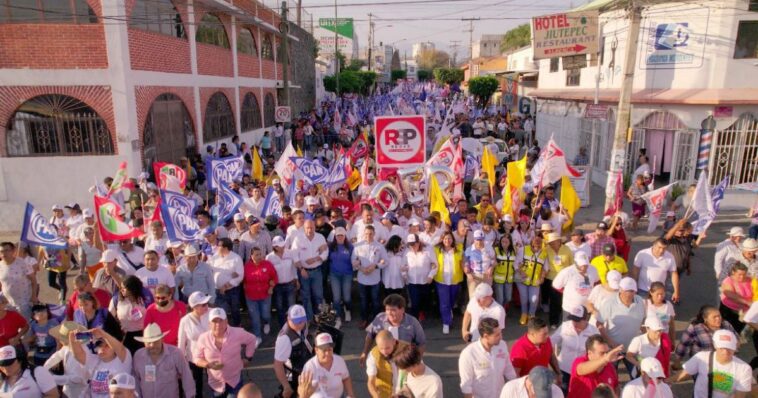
398	74
448	75
482	88
355	64
351	82
676	191
517	37
367	81
423	74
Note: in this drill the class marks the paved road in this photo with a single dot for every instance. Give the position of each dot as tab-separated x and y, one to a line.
442	351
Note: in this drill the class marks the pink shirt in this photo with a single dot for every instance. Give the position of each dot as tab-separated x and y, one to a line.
205	348
744	289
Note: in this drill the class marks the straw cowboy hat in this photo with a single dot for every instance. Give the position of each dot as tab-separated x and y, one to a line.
61	332
151	334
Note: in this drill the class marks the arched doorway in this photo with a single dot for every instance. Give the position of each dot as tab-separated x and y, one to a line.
670	145
169	133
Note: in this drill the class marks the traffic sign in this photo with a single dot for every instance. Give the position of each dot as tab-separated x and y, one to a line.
560	35
283	114
400	141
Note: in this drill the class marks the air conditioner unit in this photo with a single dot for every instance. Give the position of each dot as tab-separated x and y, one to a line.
279	85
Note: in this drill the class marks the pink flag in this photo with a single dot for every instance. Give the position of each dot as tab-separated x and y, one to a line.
551	166
617	194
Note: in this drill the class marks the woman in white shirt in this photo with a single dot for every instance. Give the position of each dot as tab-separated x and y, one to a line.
395	274
654	343
422	267
522	235
17	380
129	306
191	326
656	305
89	252
329	371
74	377
577	244
449	256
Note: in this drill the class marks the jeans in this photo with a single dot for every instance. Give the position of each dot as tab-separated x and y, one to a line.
229	391
308	142
418	294
57	281
312	290
753	231
230	302
529	298
370	305
341	286
260	314
447	295
503	292
284	298
279	142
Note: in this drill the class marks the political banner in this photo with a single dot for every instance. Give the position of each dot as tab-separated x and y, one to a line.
228	204
400	141
170	176
112	226
358	150
36	230
284	167
179	202
704	220
223	171
313	171
338	173
655	201
179	226
118	180
272	205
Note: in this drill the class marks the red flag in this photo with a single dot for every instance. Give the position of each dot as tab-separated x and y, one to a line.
169	176
359	149
618	195
551	166
110	223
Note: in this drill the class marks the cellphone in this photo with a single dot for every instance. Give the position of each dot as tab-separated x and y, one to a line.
83	336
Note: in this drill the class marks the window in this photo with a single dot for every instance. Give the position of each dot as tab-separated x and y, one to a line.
554	64
752	5
246	43
267	48
57	125
572	77
747	40
219	120
159	16
251	113
211	31
268	110
46	11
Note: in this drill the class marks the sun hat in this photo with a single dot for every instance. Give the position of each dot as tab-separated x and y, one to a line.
151	334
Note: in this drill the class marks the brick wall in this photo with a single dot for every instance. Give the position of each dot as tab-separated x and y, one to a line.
248	65
214	60
97	97
52	46
205	95
158	52
145	95
268	68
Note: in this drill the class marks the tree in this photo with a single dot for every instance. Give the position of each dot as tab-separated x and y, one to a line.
482	88
398	74
448	75
351	81
423	75
431	58
517	37
368	79
355	64
396	60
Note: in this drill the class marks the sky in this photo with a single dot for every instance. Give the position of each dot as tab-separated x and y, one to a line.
404	22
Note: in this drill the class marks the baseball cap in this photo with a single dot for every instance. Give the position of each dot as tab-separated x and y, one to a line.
542	381
653	323
411	238
216	313
578	313
580	258
613	278
508	218
239	217
602	225
324	339
725	339
609	249
108	256
670	214
577	232
197	298
278	241
736	231
87	213
311	201
7	355
478	234
340	231
482	290
388	215
628	283
652	367
56	207
191	250
122	380
296	314
271	220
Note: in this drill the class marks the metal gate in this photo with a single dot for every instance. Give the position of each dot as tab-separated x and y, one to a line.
685	155
735	152
168	131
636	143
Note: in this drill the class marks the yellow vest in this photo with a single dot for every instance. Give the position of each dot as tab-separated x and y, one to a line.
533	265
754	285
383	379
457	268
504	268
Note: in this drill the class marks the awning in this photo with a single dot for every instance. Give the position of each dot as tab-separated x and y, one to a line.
704	96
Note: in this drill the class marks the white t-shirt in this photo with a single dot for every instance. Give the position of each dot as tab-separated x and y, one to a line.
371	371
653	269
636	389
494	311
101	372
643	347
517	389
570	344
26	387
664	313
734	376
328	382
428	385
576	287
751	316
151	279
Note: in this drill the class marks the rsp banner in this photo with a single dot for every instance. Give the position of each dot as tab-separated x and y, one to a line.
400	141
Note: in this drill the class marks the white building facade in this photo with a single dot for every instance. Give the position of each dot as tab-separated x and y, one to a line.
487	46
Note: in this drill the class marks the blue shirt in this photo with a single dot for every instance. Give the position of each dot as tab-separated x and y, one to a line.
339	260
44	343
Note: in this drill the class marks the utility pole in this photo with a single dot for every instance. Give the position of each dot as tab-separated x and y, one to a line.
452	60
618	153
370	39
470	44
285	54
299	13
336	52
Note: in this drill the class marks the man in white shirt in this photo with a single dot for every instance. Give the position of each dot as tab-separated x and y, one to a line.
570	338
369	257
651	379
540	382
228	272
296	229
156	239
131	257
152	274
576	282
367	218
655	264
484	365
481	306
312	250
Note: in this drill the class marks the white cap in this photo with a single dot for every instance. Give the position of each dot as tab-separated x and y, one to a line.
87	213
7	353
653	323
340	231
415	222
508	218
56	207
239	217
652	368
191	250
478	234
482	290
173	244
750	245
311	201
297	314
197	298
275	181
217	313
324	339
108	256
736	231
628	283
411	238
725	339
613	278
580	258
278	241
122	380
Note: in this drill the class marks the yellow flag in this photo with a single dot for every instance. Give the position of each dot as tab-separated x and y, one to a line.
257	165
354	180
488	165
439	144
516	172
299	152
569	200
436	201
507	202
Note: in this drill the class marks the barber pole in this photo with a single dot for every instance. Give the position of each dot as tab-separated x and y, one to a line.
704	151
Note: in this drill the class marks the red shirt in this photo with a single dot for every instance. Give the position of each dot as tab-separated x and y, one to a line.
168	321
582	386
525	355
258	278
345	205
102	297
9	326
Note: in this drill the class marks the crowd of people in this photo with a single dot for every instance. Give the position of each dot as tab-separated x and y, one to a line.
163	318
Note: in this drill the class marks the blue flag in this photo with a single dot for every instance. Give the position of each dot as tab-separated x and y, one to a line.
339	172
179	226
704	220
37	230
224	171
228	203
313	171
179	202
272	205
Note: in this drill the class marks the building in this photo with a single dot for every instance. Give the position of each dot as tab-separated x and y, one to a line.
411	69
487	46
81	93
693	106
484	67
418	48
519	80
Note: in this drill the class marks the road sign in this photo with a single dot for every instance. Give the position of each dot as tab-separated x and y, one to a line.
560	35
283	114
400	141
